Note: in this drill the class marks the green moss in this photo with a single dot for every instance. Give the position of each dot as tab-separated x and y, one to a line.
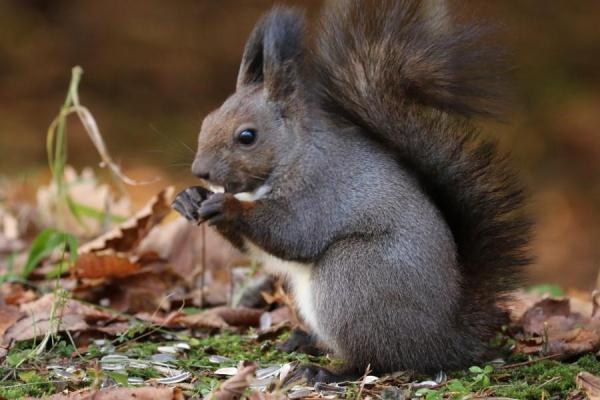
29	383
243	348
542	379
589	363
139	349
545	378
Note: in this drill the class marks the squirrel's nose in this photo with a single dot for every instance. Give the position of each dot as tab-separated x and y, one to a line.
200	169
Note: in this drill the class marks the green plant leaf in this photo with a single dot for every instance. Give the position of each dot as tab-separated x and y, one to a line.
118	377
475	370
456	386
99	215
44	244
485	381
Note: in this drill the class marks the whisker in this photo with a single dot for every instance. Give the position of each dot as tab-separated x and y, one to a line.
177	140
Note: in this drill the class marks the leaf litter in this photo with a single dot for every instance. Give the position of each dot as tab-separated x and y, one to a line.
98	302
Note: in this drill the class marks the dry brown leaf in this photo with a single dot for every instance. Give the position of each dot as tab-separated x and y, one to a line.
74	316
579	341
118	393
96	266
83	188
590	384
129	234
234	387
147	290
213	318
180	243
575	342
221	317
9	233
15	294
518	303
275	322
548	314
8	316
553	327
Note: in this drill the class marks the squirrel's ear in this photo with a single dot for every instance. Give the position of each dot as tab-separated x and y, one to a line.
274	52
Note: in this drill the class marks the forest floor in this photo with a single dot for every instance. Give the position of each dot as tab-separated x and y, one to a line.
181	364
100	301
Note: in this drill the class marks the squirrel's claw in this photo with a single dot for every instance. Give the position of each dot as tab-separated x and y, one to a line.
212	207
218	207
188	202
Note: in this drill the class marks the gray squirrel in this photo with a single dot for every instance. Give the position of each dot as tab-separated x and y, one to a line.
350	164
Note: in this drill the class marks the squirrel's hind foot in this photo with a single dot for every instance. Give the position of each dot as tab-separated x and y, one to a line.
312	374
301	342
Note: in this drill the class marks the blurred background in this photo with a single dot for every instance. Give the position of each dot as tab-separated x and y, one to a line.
153	69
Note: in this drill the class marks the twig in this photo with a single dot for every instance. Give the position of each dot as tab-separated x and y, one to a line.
203	267
230	299
362	382
554	379
529	362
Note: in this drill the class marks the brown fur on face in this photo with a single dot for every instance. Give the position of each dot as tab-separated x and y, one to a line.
228	163
267	84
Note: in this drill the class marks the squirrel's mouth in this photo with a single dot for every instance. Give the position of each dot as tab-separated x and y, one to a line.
254	195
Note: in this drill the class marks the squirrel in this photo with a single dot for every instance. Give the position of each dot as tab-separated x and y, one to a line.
351	164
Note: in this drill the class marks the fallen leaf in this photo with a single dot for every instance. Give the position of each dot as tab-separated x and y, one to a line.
273	323
213	318
234	387
129	234
96	266
119	393
38	319
548	315
180	243
222	317
15	294
518	303
86	192
148	289
10	241
579	341
590	384
8	316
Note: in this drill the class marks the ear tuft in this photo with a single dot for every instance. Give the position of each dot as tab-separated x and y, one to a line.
274	53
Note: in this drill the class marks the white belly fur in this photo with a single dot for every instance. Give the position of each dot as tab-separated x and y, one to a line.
298	276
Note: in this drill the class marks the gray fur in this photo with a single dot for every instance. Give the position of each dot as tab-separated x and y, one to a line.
408	221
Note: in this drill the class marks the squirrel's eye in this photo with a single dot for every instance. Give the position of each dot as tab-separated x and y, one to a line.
247	137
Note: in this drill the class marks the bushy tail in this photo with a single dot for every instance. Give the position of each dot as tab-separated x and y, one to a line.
402	71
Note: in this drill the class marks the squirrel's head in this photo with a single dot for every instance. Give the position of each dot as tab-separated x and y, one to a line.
242	143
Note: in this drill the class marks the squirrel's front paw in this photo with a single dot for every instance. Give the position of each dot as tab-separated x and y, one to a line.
187	202
220	207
